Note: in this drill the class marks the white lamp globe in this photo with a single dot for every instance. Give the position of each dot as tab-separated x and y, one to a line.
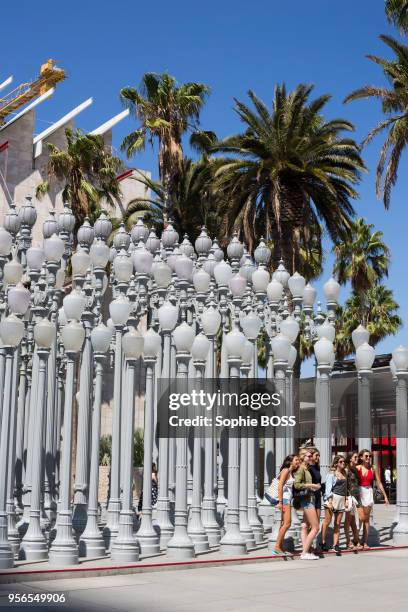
44	333
80	262
309	296
222	273
210	321
292	357
162	274
326	330
237	285
6	241
112	254
248	267
274	291
183	336
142	260
200	348
19	299
280	347
123	268
393	368
260	280
152	242
332	290
72	336
400	358
360	336
247	352
172	258
323	350
183	267
59	279
234	343
101	337
119	310
99	253
203	243
139	232
209	264
201	281
281	275
251	325
289	327
85	234
169	236
54	248
296	284
62	318
35	257
110	324
132	344
168	316
262	253
186	247
11	330
152	343
74	305
12	272
235	249
365	355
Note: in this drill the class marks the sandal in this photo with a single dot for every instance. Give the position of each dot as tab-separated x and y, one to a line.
366	546
350	546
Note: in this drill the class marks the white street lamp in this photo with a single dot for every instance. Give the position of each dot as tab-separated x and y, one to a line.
19	299
360	336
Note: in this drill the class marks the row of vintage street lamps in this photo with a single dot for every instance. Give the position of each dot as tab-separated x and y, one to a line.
185	312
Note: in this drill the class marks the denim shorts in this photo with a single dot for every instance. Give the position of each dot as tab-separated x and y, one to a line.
307	504
285	502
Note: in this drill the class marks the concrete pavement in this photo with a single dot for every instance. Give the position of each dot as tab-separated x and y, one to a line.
367	582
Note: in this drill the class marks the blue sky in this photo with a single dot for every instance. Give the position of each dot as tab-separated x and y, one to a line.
231	46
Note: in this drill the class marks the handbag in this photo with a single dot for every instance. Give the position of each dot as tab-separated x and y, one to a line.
271	493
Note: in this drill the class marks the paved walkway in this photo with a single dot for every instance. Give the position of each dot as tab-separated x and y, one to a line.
367	582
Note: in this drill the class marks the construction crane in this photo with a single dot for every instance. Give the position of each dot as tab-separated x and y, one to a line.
49	76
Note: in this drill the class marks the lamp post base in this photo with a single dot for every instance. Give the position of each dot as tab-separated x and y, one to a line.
91	543
63	554
6	556
125	551
180	547
233	544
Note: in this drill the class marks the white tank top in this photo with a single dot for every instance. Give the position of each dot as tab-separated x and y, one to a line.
287	488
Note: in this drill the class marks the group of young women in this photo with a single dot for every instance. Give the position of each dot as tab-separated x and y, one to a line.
348	488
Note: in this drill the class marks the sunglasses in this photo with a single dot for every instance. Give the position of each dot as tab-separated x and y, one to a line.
342	461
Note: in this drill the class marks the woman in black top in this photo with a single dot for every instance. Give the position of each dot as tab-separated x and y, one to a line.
355	506
314	469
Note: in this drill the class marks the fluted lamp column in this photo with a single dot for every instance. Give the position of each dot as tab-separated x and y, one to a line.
11	334
119	311
34	545
181	546
148	537
233	543
400	359
64	549
365	355
91	542
199	353
210	321
324	353
125	548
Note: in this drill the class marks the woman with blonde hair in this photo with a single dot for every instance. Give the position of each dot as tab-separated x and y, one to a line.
367	473
303	499
355	502
335	500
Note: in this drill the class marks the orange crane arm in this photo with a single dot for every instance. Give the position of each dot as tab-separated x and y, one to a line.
49	76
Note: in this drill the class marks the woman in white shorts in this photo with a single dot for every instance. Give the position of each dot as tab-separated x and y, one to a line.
335	500
366	475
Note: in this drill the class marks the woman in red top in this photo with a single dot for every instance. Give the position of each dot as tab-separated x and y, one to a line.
366	475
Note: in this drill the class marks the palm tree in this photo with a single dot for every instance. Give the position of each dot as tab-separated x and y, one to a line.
88	172
166	111
376	309
290	168
193	204
364	259
394	101
397	13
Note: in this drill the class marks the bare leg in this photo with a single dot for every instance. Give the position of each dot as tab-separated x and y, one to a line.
326	522
336	532
311	517
285	524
